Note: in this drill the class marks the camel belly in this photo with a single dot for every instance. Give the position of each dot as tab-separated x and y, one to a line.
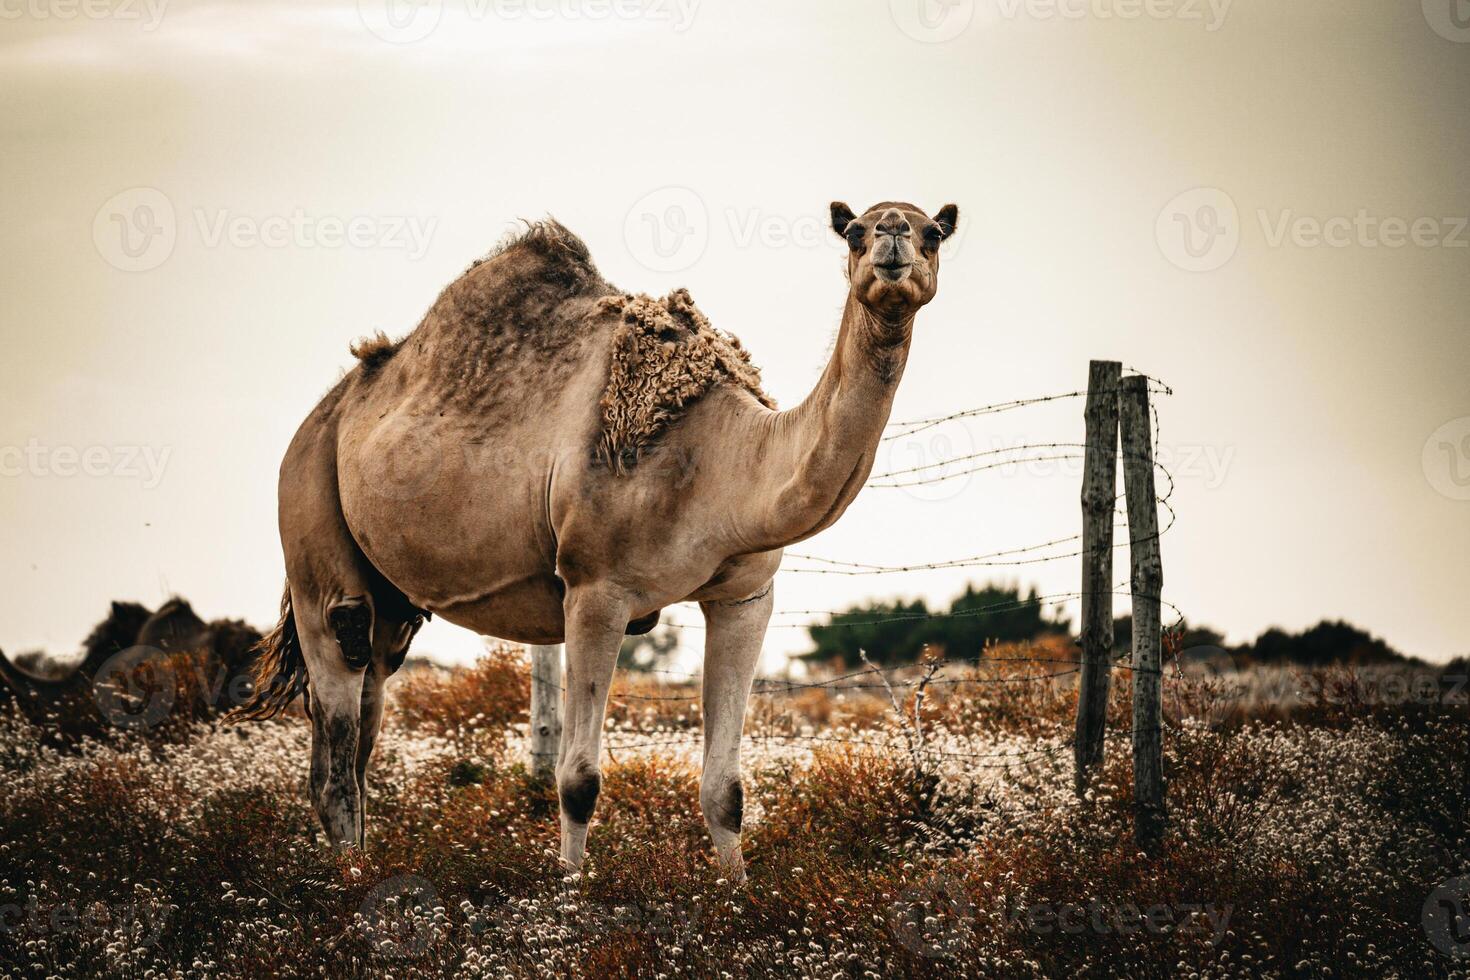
526	612
491	578
456	522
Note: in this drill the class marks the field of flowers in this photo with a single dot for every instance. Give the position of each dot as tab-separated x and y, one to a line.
1311	835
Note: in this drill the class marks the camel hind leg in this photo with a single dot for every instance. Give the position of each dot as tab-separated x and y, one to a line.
352	640
391	640
349	658
348	618
336	697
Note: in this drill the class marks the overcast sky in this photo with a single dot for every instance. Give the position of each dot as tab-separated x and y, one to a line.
1261	203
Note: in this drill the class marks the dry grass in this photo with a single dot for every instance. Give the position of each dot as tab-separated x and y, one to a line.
1311	829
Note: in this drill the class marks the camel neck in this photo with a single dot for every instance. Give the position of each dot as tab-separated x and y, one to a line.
820	453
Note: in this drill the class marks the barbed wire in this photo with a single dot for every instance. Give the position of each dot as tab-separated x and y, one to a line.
990	560
928	481
912	426
1054	598
891	668
768	687
785	688
1012	758
863	679
986	560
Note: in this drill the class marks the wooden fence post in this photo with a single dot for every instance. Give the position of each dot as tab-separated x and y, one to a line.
1099	497
1150	816
545	726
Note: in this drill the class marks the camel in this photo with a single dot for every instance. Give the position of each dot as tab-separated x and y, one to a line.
545	459
49	693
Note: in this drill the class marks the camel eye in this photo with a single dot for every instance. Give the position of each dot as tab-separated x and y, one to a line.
855	237
933	238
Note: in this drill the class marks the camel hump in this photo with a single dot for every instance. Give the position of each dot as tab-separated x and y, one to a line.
548	254
374	351
665	356
512	295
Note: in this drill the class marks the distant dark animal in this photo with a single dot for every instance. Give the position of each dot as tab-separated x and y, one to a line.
50	695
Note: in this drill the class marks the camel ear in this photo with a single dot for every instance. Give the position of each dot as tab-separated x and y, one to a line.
948	219
842	216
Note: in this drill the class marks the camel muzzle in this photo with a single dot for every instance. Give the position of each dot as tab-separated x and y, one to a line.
893	257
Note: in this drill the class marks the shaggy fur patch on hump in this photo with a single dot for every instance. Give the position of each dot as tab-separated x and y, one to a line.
665	355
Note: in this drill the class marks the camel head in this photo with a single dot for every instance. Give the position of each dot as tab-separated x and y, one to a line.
893	255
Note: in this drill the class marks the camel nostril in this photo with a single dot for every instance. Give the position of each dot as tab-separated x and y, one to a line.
892	252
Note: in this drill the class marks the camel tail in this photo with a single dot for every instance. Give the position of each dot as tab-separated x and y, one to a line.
278	672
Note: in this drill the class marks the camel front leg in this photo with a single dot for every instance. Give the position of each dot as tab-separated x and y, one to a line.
732	650
595	621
